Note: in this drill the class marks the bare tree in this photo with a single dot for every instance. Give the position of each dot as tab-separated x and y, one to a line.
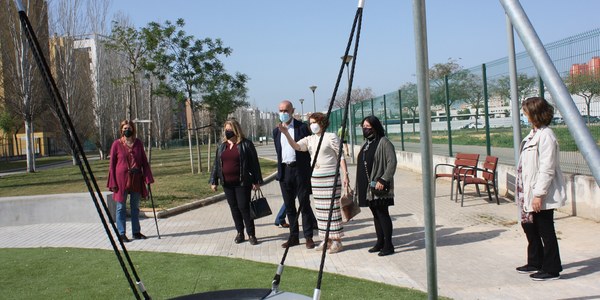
71	61
24	92
356	96
97	13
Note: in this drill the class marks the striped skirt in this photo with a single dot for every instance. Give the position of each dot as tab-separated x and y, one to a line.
322	186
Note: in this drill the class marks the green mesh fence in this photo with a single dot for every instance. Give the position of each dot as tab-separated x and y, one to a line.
471	112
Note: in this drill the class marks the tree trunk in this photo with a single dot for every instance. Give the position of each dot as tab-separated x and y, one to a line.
29	145
150	125
198	154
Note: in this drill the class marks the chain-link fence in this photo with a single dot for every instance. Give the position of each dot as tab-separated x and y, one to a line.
477	101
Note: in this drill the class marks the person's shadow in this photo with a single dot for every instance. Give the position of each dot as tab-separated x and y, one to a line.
581	268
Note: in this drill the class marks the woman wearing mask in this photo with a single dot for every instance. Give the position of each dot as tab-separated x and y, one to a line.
540	190
237	168
128	174
375	169
323	175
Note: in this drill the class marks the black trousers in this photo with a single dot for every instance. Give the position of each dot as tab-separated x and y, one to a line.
292	186
238	198
383	226
542	247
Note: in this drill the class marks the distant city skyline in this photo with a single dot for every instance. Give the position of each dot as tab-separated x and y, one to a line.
286	47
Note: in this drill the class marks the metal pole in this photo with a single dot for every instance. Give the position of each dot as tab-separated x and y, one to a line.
488	145
581	134
420	26
153	210
448	115
313	88
385	113
350	120
401	119
514	96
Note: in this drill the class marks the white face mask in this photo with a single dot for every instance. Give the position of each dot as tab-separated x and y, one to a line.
315	128
284	117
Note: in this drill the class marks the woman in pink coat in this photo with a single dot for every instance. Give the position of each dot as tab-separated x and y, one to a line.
128	162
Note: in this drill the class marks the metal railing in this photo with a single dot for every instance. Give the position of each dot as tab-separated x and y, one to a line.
477	101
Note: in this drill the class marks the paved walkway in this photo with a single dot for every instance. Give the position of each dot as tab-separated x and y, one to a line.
478	246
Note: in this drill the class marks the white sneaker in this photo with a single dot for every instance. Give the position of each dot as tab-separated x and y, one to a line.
336	247
320	246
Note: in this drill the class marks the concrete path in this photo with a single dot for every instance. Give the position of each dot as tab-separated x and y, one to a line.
478	246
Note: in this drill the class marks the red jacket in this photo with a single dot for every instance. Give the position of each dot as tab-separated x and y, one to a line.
118	169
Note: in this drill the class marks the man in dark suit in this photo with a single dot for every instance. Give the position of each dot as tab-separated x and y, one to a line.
293	174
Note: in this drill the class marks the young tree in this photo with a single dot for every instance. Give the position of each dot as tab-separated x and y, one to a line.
130	43
198	70
437	74
585	85
473	85
410	100
24	92
526	86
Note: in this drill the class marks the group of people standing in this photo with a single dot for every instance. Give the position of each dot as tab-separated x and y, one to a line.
296	146
540	184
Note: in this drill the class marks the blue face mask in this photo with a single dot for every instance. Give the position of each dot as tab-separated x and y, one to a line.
284	117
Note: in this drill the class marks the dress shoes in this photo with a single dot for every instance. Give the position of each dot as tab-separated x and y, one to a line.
124	238
310	244
239	238
252	240
285	225
375	249
386	252
292	241
139	236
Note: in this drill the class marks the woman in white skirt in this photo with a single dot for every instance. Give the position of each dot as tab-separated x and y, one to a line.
323	176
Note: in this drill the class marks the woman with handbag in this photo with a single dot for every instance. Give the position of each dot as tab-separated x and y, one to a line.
375	169
128	174
322	179
540	190
237	168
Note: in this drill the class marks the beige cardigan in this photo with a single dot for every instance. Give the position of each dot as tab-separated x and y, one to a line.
541	172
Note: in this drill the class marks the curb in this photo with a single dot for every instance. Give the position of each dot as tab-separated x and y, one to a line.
195	204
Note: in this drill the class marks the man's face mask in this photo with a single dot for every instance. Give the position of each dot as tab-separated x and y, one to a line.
284	117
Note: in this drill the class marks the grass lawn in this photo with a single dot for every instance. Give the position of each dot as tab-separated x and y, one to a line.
174	183
499	137
22	163
71	273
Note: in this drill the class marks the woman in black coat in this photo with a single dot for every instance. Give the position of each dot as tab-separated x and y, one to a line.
237	168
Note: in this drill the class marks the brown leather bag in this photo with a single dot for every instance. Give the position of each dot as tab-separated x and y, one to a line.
134	181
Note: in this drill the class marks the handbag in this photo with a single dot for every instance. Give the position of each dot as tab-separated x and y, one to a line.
134	181
349	208
259	207
372	189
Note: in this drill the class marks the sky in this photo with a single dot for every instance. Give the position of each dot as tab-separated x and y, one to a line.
287	46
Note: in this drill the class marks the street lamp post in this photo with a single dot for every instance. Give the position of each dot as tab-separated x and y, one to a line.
313	88
347	59
302	106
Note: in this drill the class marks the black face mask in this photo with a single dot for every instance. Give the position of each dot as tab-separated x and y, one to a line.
368	133
229	134
128	133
